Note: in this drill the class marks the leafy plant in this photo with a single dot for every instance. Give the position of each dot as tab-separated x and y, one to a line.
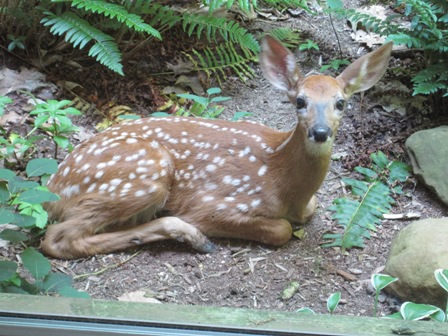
22	198
204	107
39	268
408	310
371	198
428	31
3	102
53	118
333	302
441	276
308	45
334	64
16	42
379	282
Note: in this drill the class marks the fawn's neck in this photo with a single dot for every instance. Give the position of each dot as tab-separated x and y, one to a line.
302	166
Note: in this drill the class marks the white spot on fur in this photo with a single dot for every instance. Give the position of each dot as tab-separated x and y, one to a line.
221	207
207	198
66	171
91	188
99	174
131	140
210	168
70	190
263	169
242	207
140	193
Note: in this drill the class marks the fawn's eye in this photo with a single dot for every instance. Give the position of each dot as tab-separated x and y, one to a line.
340	104
300	102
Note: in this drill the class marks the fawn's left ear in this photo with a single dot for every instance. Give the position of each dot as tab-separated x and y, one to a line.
366	71
279	64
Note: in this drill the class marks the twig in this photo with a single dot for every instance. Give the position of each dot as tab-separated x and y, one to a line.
101	271
335	33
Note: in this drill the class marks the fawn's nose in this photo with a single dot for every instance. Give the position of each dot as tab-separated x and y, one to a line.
320	133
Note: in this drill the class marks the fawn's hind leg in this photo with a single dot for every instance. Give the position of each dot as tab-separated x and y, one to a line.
81	231
63	243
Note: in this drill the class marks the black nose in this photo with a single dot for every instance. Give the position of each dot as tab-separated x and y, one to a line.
320	133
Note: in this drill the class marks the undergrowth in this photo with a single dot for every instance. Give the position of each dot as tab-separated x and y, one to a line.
421	25
110	30
360	212
22	196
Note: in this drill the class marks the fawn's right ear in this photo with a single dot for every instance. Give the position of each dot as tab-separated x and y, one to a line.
278	64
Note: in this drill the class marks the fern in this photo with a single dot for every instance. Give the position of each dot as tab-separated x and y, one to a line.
244	5
228	30
432	79
224	56
117	12
428	31
289	37
283	4
358	215
79	32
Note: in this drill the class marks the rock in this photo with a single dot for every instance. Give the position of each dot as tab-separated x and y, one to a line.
428	151
416	252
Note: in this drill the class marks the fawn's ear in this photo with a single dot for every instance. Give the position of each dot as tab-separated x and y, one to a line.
278	64
366	71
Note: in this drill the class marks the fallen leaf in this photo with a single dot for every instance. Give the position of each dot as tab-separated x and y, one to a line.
137	296
289	291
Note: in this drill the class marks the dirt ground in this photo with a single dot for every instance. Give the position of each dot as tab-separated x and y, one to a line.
250	275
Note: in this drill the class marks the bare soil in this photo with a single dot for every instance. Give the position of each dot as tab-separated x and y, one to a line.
241	273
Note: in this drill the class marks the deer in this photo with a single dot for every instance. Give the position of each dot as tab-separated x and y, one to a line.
191	179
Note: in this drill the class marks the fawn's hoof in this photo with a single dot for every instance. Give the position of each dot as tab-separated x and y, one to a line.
206	247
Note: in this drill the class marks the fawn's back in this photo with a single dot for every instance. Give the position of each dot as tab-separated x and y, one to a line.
189	178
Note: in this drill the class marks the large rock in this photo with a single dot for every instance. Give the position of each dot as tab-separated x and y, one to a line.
416	252
428	151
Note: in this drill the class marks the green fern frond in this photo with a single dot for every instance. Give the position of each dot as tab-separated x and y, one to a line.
361	213
118	12
289	37
229	30
163	16
283	4
244	5
431	79
223	56
79	32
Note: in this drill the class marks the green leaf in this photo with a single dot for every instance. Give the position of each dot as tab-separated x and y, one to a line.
380	159
213	90
335	4
333	302
13	236
442	278
380	281
6	174
200	100
8	270
305	310
72	292
6	216
38	196
39	167
53	282
38	265
416	311
62	141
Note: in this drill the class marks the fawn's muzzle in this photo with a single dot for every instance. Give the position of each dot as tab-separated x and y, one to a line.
320	133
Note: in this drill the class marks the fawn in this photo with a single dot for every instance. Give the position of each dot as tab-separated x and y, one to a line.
188	178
